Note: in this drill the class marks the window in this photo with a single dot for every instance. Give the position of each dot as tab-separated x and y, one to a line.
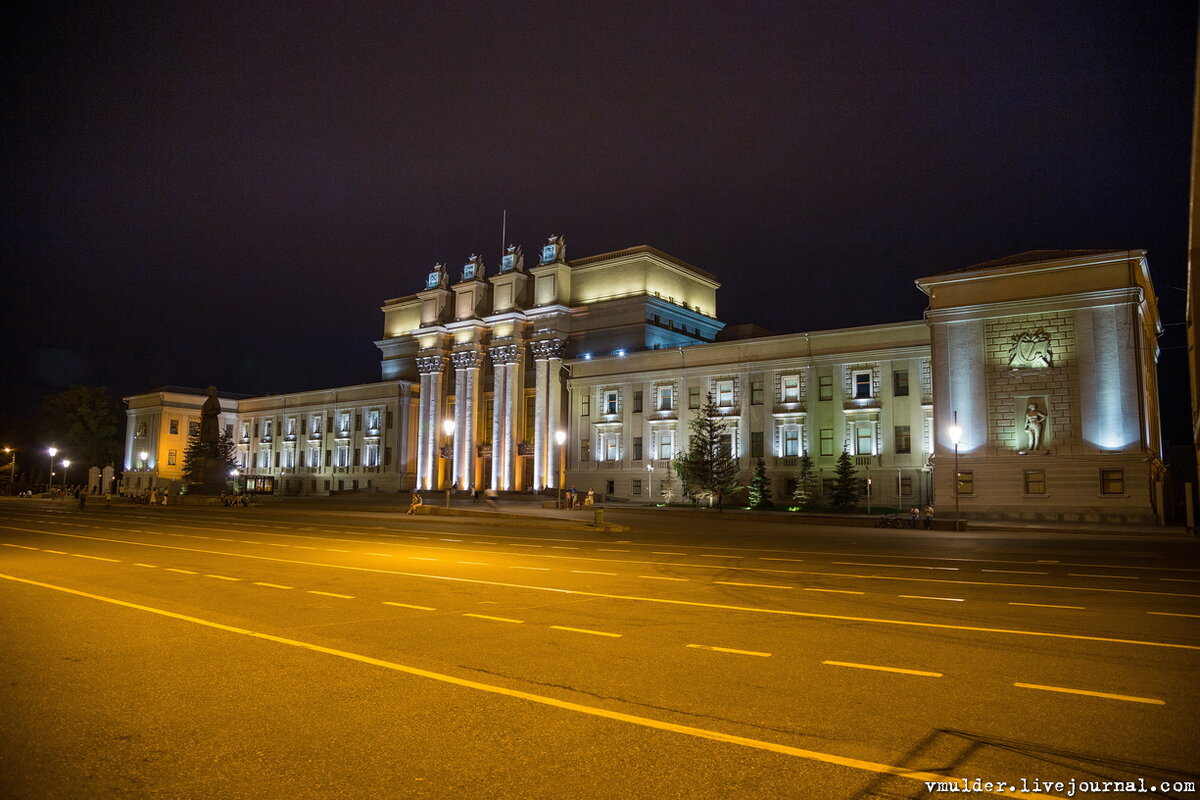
900	383
725	442
1035	481
637	402
864	439
585	449
266	429
756	393
264	459
791	440
228	431
245	430
389	419
906	486
903	439
825	388
342	454
485	430
174	427
756	444
791	388
290	426
371	454
637	448
666	445
314	457
329	424
358	422
725	394
289	457
966	482
329	455
1112	481
585	409
862	385
611	451
666	398
343	424
373	419
693	397
636	488
314	424
826	441
610	402
171	457
193	428
610	487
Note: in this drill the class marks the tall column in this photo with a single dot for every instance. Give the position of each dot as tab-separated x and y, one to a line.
540	434
466	415
506	367
431	369
516	410
499	412
547	354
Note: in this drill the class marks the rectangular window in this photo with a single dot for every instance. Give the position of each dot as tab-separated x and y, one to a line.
228	431
903	439
314	457
826	486
862	385
637	448
276	459
610	447
329	455
530	417
256	429
174	427
585	409
485	431
289	458
264	459
194	428
666	398
637	402
389	419
790	386
1035	481
290	429
1112	481
756	444
342	454
724	394
905	486
373	419
585	449
610	487
725	442
636	488
693	397
864	440
666	445
266	428
610	402
171	457
343	424
329	424
966	482
756	393
371	455
900	383
245	430
358	422
826	441
387	455
791	440
825	388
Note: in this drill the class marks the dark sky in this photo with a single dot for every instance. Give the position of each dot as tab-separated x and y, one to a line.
226	193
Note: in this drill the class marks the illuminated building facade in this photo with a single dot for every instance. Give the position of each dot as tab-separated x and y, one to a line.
588	372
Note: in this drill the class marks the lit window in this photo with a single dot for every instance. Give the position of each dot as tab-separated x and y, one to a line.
903	439
371	454
791	440
266	429
862	385
725	394
174	427
290	429
344	425
1035	481
826	441
585	449
864	438
666	445
611	452
171	457
341	453
1112	481
900	383
610	402
289	458
666	398
825	388
373	421
791	389
314	457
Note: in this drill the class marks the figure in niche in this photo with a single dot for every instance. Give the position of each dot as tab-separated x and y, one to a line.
1035	423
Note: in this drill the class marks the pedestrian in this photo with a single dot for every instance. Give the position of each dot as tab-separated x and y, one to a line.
572	498
928	516
164	496
720	500
590	499
490	495
83	499
108	498
153	496
415	503
913	514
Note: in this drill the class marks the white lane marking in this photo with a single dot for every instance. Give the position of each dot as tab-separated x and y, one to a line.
1106	695
763	558
1047	561
1047	605
711	555
150	566
497	619
834	591
562	547
331	550
222	578
56	552
755	585
1171	614
277	544
660	578
23	547
304	547
589	572
664	553
449	540
407	605
95	558
422	558
536	569
219	539
248	541
472	563
609	550
730	650
331	594
180	571
273	585
381	555
923	597
1089	575
1179	580
585	630
891	566
1014	572
523	545
877	668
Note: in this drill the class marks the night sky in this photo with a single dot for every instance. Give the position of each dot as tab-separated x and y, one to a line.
220	193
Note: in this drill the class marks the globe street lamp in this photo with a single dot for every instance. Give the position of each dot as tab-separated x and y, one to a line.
561	438
53	451
448	429
12	467
65	464
956	437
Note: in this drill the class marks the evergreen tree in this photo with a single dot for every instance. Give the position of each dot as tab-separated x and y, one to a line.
847	487
805	494
226	453
667	490
708	467
760	487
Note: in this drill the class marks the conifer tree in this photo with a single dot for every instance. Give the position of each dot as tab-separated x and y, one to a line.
226	452
708	467
760	487
805	493
847	487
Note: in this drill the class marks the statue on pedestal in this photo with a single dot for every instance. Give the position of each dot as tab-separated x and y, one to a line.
1035	422
207	463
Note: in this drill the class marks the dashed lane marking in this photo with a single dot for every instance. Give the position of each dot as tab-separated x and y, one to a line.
148	566
764	558
834	591
180	571
663	553
1014	572
56	552
408	605
472	563
1048	605
96	558
421	558
661	578
222	577
23	547
331	594
891	566
495	619
923	597
1171	614
1089	575
730	650
536	569
589	572
877	668
273	585
1106	695
382	555
755	585
585	630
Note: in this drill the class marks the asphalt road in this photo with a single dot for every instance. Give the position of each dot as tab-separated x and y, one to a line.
187	652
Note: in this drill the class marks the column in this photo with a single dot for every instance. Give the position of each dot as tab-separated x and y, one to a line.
541	437
512	419
431	369
506	367
466	415
547	354
499	412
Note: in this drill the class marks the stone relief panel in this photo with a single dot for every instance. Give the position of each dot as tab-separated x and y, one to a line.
1031	361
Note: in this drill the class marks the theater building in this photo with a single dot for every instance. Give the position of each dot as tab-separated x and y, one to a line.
587	373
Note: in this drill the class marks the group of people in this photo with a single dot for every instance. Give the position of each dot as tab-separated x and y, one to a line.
925	516
576	499
233	500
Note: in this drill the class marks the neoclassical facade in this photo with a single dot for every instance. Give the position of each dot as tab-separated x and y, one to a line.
588	372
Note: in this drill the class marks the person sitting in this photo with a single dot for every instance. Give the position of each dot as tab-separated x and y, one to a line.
415	503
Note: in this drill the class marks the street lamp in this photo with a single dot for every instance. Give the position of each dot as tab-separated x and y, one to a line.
650	479
65	464
561	438
12	467
53	451
956	437
448	429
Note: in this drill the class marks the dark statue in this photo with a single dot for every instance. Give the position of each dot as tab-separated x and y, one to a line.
208	467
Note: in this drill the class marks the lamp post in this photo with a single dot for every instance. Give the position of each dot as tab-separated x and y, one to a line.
143	461
561	438
12	467
448	429
956	437
53	451
65	464
650	479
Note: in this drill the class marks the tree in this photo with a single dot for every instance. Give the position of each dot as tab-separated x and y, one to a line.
667	489
760	487
226	452
708	466
84	422
847	487
805	493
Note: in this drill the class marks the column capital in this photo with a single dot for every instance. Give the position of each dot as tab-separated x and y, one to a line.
467	359
545	349
506	353
431	362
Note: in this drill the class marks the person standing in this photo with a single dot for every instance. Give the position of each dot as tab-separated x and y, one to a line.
914	514
928	516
